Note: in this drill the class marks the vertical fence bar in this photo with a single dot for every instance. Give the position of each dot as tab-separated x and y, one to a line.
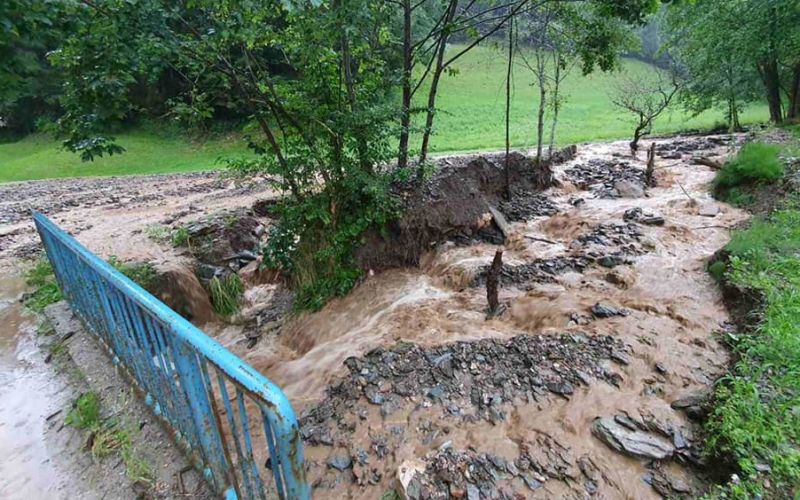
168	359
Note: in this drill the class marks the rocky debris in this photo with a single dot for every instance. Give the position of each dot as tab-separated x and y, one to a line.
624	238
54	196
525	205
694	405
468	380
601	310
667	484
470	474
709	210
228	240
641	216
677	147
629	189
625	436
608	179
538	271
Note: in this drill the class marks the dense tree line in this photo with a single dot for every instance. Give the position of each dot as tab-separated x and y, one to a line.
739	51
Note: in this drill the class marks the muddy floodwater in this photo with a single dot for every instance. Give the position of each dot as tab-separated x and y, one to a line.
608	316
30	392
628	266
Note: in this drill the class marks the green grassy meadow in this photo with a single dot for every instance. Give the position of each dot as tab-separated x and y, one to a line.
471	119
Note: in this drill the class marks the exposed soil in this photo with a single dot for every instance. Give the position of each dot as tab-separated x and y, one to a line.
453	206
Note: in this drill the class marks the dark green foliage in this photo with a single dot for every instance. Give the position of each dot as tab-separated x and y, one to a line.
315	240
755	163
226	294
755	418
46	290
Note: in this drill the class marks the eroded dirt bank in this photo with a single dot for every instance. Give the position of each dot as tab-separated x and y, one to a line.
609	320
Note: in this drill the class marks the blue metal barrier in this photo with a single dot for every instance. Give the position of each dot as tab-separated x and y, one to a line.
186	376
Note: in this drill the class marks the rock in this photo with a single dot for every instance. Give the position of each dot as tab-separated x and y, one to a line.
636	214
709	210
561	388
408	476
698	398
501	222
611	260
636	443
531	483
629	189
180	289
600	310
340	462
473	493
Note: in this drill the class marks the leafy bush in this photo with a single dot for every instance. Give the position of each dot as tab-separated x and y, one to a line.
46	290
226	294
755	162
315	241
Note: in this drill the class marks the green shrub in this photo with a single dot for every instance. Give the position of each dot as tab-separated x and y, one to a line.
85	413
43	280
755	162
226	294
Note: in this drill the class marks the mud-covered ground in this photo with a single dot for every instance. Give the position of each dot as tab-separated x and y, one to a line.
577	388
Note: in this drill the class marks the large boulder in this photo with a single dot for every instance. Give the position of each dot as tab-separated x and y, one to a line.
180	289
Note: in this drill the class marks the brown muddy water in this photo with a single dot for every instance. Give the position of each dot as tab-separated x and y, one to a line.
672	309
29	394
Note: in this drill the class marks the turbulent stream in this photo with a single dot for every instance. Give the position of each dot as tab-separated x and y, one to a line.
665	308
607	311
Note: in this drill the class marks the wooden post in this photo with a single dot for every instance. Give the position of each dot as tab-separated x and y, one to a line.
493	282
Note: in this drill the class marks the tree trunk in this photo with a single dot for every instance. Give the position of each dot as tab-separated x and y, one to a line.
651	165
347	64
793	113
508	107
405	111
493	282
540	117
437	74
768	69
556	105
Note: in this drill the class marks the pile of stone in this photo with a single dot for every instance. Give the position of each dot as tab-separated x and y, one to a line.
538	271
608	179
470	381
525	205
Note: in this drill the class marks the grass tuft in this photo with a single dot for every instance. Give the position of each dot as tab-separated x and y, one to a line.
755	162
43	280
141	273
180	237
226	294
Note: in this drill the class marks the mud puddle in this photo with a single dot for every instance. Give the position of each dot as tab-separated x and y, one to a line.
576	267
30	397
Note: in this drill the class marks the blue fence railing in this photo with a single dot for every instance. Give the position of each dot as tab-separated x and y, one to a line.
229	418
